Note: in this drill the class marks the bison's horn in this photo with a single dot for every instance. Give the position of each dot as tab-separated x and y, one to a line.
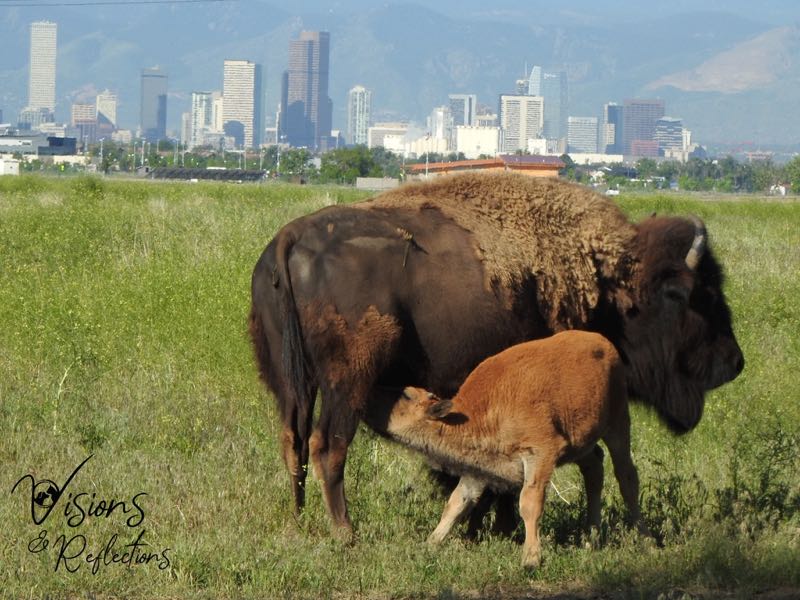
698	245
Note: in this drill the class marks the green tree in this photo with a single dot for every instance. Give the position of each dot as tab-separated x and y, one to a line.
344	165
295	162
646	168
792	171
569	169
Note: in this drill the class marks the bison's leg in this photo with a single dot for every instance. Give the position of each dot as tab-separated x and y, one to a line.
461	501
618	442
591	467
296	428
329	443
538	470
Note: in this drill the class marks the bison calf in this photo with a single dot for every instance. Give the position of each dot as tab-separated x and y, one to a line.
517	416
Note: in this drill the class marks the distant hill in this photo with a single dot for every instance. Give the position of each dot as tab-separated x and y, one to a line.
412	56
750	65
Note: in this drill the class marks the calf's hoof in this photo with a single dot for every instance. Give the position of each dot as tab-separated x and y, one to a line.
531	559
435	538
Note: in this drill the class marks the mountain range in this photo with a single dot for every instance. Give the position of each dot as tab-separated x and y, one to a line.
730	69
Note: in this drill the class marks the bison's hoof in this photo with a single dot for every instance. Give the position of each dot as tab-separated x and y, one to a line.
344	534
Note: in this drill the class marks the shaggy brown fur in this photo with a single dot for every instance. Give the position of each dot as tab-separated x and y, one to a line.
565	235
517	416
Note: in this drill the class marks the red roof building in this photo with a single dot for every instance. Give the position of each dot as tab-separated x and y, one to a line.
533	166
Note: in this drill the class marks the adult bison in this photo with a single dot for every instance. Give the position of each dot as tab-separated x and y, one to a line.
420	284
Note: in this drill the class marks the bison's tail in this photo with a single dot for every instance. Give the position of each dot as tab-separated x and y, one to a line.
297	370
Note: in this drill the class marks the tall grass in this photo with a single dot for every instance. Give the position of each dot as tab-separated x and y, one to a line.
122	335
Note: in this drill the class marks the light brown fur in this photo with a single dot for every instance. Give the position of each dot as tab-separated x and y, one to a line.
517	416
567	236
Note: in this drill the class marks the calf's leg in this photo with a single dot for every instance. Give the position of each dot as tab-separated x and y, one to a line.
538	470
591	467
461	501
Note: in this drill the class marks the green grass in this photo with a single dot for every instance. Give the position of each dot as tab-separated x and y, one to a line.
123	334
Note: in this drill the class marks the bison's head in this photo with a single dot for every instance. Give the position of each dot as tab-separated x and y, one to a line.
677	337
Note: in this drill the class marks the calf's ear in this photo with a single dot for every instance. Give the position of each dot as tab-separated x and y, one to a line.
439	408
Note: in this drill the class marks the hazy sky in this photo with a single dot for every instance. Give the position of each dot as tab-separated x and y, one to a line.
412	54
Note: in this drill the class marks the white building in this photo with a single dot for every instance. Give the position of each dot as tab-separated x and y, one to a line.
42	81
242	110
218	111
359	109
476	141
201	119
106	102
440	125
582	135
521	119
426	144
9	166
377	134
395	142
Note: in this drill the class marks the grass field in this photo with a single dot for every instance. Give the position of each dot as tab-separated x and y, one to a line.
123	312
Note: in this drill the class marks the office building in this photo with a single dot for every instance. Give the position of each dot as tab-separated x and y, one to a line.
242	108
359	110
554	92
535	82
306	108
463	108
217	111
669	134
42	75
521	119
582	135
377	134
639	124
201	119
611	137
153	105
31	119
106	102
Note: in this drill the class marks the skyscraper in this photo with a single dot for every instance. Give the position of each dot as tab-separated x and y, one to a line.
521	119
201	119
462	108
42	80
305	106
242	110
611	129
153	106
554	92
639	121
107	107
535	82
359	110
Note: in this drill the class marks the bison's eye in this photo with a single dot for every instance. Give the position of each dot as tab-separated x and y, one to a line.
676	293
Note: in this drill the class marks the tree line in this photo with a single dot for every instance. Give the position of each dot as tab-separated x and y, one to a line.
345	165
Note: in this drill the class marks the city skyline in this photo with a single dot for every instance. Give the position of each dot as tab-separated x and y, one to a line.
410	78
532	120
